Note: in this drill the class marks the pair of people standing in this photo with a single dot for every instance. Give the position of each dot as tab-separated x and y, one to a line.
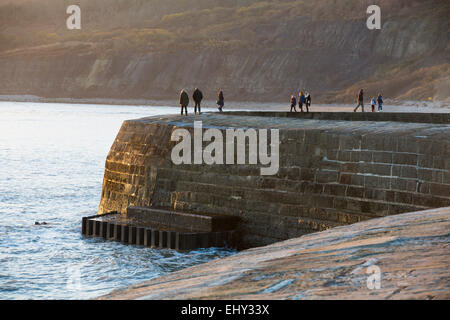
184	101
360	99
198	97
303	99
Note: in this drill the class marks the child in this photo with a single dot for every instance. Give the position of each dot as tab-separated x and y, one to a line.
374	103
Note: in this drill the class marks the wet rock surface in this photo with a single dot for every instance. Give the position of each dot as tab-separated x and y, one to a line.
410	250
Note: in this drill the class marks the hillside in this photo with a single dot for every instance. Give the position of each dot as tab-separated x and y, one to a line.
254	50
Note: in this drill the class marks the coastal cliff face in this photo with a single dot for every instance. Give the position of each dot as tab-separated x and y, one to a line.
254	50
332	173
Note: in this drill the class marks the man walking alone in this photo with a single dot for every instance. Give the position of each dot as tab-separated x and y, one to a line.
360	99
220	100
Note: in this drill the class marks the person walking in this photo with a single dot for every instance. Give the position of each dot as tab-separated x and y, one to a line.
301	100
360	99
380	102
220	100
308	101
373	104
293	103
198	97
184	101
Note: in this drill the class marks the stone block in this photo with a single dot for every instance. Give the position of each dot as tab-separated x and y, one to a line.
345	178
355	192
438	189
327	176
405	158
409	172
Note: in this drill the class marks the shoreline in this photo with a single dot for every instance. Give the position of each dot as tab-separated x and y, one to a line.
390	105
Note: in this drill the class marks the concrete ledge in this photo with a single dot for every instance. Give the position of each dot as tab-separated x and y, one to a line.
115	227
185	221
437	118
410	251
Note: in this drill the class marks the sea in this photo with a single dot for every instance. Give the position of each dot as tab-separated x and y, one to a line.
52	158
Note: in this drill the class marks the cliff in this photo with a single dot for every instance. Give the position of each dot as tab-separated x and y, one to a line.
409	250
335	169
254	50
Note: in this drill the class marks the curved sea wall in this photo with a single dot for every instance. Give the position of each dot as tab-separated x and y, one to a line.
335	169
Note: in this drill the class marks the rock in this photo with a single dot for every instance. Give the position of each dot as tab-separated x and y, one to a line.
410	251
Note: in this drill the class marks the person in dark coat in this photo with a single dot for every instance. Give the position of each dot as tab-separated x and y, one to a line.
360	99
184	101
220	100
198	97
308	101
301	100
380	102
293	103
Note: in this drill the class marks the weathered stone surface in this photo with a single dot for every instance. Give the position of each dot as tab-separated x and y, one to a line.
332	172
411	251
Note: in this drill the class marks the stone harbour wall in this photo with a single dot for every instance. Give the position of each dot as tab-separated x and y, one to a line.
332	172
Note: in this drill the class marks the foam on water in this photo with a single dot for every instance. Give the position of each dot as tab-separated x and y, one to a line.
52	165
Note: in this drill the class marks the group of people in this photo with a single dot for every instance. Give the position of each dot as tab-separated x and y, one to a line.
303	99
374	102
197	96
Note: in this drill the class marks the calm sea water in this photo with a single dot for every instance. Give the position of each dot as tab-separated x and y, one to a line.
52	160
